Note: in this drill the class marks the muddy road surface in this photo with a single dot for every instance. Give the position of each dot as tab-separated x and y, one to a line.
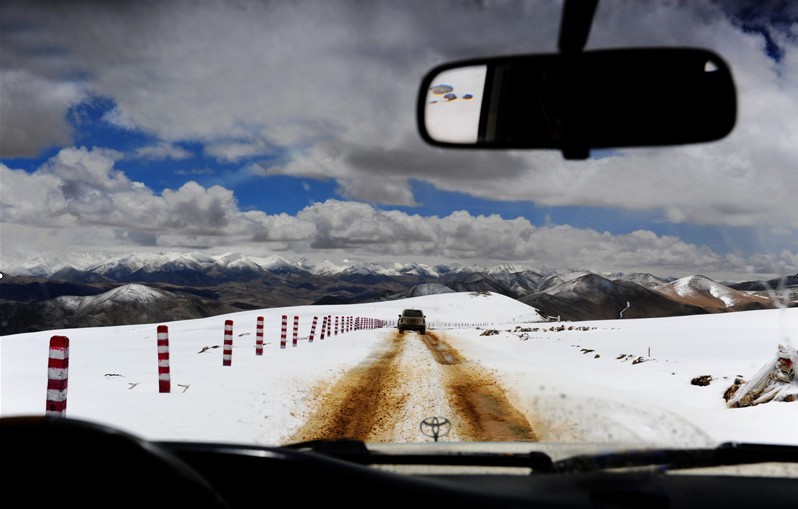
407	379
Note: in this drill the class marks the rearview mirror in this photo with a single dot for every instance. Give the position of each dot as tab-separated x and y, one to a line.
579	101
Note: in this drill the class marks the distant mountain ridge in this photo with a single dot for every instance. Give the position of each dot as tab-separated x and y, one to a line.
138	288
123	267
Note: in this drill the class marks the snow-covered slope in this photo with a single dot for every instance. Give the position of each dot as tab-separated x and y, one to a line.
126	294
708	293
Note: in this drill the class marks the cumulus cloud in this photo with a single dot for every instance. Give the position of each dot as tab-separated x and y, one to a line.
34	112
161	151
82	186
80	199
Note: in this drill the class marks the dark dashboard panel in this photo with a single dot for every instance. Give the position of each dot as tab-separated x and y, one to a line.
249	477
71	462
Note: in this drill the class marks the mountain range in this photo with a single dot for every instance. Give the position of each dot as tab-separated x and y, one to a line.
145	288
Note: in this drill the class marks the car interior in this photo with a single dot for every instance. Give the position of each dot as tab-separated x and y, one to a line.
530	102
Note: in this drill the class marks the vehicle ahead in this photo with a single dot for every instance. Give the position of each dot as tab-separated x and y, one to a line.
147	126
412	319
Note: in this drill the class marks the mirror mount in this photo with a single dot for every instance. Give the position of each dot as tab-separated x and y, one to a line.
577	17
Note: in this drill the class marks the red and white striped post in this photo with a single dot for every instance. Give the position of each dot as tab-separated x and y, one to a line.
283	333
323	326
227	354
164	376
259	337
296	331
57	376
312	329
336	325
329	325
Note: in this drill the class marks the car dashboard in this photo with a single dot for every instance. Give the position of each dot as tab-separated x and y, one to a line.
94	465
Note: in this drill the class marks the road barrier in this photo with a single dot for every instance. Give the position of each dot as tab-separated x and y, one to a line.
227	354
164	375
57	376
284	331
259	337
323	327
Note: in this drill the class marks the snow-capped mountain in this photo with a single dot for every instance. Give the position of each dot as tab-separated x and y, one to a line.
131	294
590	296
327	268
126	304
423	290
702	290
640	278
133	267
36	294
152	262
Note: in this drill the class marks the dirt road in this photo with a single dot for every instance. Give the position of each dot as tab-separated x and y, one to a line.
406	380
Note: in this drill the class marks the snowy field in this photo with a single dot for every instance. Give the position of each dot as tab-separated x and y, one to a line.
602	381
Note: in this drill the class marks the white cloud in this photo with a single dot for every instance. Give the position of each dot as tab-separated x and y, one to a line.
84	202
34	112
118	118
235	150
162	150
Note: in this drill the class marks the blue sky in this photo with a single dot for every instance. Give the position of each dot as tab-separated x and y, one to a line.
289	129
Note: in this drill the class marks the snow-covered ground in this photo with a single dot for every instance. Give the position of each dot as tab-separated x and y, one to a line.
603	381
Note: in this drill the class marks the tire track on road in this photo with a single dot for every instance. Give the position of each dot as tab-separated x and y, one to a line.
483	410
407	379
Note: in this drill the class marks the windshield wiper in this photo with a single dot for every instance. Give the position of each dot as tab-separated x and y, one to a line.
355	451
726	454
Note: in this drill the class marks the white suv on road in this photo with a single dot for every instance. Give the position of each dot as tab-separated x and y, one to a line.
412	319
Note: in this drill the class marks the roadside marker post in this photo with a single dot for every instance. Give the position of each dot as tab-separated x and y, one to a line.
164	375
227	355
312	329
57	376
323	327
259	337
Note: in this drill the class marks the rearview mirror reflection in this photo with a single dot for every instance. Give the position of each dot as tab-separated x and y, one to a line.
454	103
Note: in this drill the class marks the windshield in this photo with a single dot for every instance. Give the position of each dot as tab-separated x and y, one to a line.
214	214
